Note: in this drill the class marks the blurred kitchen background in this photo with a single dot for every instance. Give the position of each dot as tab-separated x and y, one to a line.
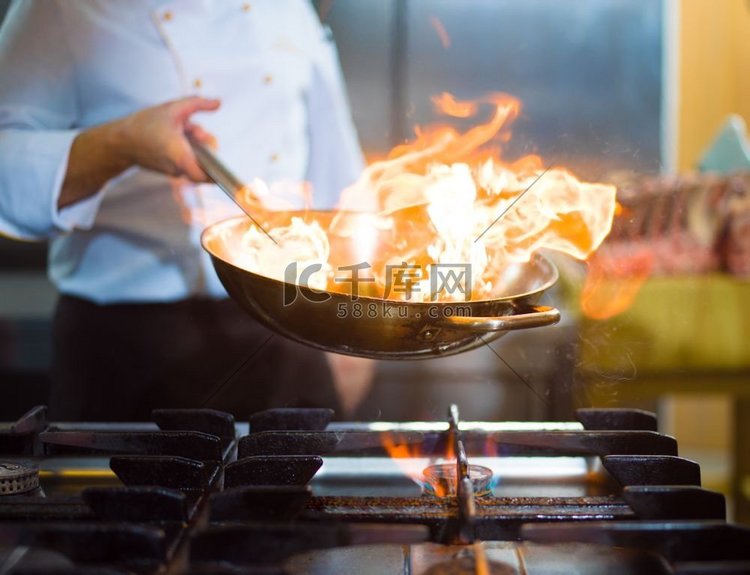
633	91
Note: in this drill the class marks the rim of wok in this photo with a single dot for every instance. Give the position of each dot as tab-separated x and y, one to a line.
211	229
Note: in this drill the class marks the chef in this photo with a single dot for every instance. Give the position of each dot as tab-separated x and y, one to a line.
96	99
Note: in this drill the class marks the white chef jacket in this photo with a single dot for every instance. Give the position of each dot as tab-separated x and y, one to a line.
66	65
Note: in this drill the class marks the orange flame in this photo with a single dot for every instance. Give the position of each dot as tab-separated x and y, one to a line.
612	284
449	106
449	197
442	33
411	459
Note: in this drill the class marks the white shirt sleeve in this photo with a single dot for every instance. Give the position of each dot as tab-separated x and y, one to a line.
335	155
38	114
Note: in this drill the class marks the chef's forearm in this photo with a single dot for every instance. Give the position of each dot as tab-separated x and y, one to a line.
152	138
96	156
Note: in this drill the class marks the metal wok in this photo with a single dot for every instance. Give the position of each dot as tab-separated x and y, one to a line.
368	325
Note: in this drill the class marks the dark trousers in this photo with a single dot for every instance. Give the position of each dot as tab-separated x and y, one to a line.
118	362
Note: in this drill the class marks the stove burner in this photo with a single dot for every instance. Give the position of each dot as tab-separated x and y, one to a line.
440	480
18	478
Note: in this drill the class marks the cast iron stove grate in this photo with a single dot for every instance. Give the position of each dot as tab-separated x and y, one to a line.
194	492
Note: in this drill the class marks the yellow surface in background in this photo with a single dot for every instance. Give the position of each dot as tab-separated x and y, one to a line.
714	72
676	325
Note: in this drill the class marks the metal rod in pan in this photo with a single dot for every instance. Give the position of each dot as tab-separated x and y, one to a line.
218	171
223	177
467	512
464	488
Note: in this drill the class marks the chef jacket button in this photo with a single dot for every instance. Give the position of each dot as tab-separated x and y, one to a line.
267	79
274	158
167	16
246	7
197	83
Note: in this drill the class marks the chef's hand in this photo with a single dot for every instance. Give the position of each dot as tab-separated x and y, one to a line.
154	138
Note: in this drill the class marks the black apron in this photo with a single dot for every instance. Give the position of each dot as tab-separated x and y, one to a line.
118	362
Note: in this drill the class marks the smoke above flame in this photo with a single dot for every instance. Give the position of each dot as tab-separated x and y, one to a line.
450	197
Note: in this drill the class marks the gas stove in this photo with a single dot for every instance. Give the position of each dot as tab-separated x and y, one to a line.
290	492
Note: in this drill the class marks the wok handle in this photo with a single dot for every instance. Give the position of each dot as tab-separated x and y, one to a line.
216	169
530	316
223	177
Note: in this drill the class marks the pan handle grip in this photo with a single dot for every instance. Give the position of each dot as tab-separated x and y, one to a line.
530	316
227	181
216	169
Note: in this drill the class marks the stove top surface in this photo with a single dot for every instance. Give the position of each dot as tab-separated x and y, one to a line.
291	492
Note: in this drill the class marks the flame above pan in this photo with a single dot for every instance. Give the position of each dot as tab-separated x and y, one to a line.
446	199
